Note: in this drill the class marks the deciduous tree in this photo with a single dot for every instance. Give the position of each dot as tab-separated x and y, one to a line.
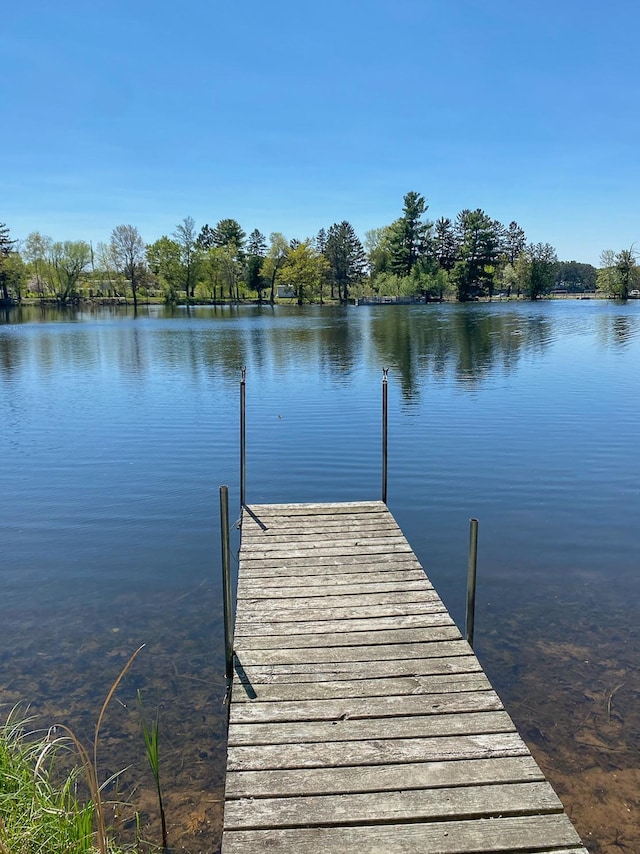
304	270
535	269
164	258
378	251
575	277
543	260
185	237
37	248
274	261
619	274
69	260
128	252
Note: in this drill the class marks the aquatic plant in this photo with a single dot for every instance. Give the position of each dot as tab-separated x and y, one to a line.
150	733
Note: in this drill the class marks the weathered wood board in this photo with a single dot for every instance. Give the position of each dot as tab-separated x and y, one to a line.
360	721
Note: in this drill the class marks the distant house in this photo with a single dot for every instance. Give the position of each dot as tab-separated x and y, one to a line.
286	292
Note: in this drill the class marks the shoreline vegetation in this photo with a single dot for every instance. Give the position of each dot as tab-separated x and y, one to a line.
468	258
51	795
126	302
122	301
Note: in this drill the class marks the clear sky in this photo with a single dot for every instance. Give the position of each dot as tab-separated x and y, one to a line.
289	116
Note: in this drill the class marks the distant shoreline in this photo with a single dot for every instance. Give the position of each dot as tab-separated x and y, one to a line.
356	301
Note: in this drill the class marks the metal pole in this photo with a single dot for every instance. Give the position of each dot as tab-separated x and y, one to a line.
242	437
385	408
226	581
471	579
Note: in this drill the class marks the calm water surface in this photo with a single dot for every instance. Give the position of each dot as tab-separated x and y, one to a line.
118	431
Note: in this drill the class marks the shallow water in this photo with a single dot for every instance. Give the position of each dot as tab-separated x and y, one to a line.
119	429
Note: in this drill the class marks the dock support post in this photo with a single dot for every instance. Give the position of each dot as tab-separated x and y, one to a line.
471	580
242	438
385	408
226	581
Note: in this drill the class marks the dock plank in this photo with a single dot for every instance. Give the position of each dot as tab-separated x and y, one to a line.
366	707
464	802
354	624
365	652
381	778
535	834
360	720
375	751
321	671
348	729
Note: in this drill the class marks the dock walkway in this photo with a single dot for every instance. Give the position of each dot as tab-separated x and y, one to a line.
361	722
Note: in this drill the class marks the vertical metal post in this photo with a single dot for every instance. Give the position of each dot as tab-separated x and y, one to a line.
242	438
385	409
226	581
471	580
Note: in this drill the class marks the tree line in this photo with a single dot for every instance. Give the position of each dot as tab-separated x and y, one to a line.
470	257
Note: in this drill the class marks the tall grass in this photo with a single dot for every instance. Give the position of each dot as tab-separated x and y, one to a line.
40	817
36	815
89	760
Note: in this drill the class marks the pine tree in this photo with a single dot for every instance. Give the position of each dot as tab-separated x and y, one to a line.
445	244
409	235
346	257
6	248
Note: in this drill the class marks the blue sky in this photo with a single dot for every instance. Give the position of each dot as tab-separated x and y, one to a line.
291	116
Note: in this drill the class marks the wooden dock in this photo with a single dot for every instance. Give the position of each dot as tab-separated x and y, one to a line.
360	721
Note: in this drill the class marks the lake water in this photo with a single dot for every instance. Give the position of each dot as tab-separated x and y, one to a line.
118	431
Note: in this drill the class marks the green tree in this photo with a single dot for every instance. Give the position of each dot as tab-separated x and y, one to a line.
535	270
68	261
14	275
164	258
205	238
477	237
224	261
36	250
377	243
513	242
228	232
128	252
274	261
575	277
508	278
256	252
444	244
409	236
320	241
619	274
304	270
345	258
185	237
107	268
543	260
257	243
7	246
